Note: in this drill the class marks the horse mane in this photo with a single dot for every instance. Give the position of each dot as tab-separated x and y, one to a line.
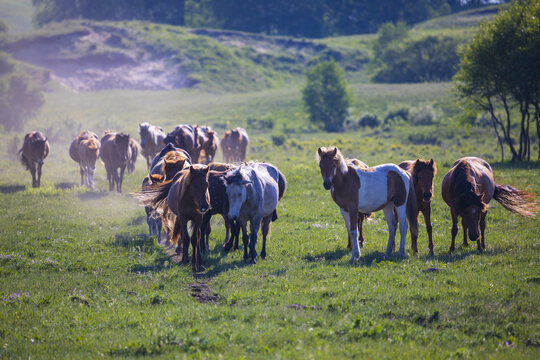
463	189
421	164
342	163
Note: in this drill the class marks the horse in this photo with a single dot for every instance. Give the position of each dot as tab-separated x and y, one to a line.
153	217
422	174
361	216
84	149
152	140
187	197
116	152
134	146
234	145
253	191
468	188
219	204
184	137
33	152
207	144
354	190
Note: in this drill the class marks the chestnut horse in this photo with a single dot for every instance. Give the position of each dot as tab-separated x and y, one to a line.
207	144
467	189
186	196
115	153
422	174
84	149
354	190
152	141
134	146
184	137
34	150
234	145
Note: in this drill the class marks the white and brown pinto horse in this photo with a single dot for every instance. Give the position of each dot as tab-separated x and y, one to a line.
84	149
34	150
468	188
152	141
355	190
116	153
422	174
253	191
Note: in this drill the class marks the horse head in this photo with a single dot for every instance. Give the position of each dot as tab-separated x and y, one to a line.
122	146
198	186
236	184
330	161
143	132
174	161
423	173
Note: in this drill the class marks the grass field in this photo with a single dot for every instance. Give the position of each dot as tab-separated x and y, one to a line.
80	278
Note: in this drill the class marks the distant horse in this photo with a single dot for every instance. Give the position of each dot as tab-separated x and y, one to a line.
167	148
34	150
422	174
116	152
234	145
84	149
467	189
184	137
186	196
134	146
153	217
152	140
219	204
354	190
207	144
254	191
169	165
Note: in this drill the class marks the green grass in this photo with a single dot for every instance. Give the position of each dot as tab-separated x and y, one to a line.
81	279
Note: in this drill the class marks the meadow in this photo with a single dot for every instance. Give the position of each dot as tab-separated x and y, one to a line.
81	279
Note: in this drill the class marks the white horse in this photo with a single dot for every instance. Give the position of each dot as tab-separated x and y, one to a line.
254	191
355	190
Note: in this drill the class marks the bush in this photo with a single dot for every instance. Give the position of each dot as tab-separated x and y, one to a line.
422	116
278	139
368	120
326	95
265	123
394	116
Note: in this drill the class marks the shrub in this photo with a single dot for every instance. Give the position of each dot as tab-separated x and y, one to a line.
326	95
422	116
394	116
278	139
264	123
368	120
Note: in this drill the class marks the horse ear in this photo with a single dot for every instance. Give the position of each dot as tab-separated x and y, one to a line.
431	162
334	152
319	151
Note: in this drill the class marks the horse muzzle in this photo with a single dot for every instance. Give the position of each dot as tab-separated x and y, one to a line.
427	196
327	184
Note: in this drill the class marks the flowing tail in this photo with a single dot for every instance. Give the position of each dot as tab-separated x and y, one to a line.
155	195
282	186
411	211
517	201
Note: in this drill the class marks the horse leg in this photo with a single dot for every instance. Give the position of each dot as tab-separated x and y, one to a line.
265	229
360	232
81	168
346	217
184	237
33	173
228	243
110	177
427	218
205	225
254	229
196	258
465	241
245	239
414	237
392	227
454	229
91	177
483	228
403	227
235	234
120	179
39	174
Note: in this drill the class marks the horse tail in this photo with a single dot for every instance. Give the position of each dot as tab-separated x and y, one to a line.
517	201
23	159
154	195
411	210
282	184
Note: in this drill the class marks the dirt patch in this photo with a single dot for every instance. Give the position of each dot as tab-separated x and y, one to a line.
200	291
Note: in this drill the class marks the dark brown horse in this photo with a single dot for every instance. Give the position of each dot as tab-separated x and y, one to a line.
115	153
234	145
85	150
169	165
422	172
207	144
187	197
467	189
151	140
34	150
134	146
184	137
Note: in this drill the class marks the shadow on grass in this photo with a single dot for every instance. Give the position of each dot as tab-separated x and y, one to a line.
366	259
11	189
515	165
66	185
212	260
462	253
130	241
92	195
146	244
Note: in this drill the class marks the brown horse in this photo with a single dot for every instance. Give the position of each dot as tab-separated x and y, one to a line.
234	145
115	153
186	196
184	137
361	216
355	190
207	144
34	150
169	165
134	146
152	141
422	174
85	150
467	189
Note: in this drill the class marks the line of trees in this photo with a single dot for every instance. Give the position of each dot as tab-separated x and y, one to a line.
305	18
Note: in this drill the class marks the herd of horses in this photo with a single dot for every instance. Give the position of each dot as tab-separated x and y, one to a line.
184	184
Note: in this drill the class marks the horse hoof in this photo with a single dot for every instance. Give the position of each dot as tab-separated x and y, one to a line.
252	261
354	259
263	256
431	253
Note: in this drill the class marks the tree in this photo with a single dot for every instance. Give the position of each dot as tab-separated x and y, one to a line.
326	95
500	74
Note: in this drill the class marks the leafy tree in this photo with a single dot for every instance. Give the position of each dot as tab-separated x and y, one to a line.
500	74
326	95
